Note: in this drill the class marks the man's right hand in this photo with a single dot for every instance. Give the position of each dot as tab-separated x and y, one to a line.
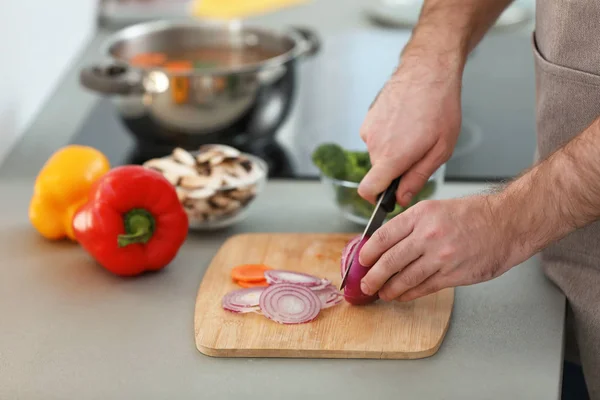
412	126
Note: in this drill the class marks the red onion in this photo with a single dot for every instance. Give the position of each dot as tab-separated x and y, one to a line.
287	303
280	276
347	252
352	292
243	300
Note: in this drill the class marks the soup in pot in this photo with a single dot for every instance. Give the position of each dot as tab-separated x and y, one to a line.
201	58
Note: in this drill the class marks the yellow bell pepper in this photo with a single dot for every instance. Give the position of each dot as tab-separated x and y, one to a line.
62	186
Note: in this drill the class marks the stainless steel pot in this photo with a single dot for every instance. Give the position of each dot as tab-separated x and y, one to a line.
208	103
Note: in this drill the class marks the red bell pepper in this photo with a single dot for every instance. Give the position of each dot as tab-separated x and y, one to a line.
133	221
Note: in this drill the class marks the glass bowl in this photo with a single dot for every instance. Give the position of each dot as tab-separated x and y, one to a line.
214	201
358	210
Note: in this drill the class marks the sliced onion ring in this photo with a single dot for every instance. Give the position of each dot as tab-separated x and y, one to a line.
280	276
289	303
243	300
322	286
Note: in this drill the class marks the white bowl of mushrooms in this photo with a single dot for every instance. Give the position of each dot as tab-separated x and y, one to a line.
215	184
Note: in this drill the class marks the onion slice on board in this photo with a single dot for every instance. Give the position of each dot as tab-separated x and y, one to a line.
287	303
328	294
243	300
334	301
276	276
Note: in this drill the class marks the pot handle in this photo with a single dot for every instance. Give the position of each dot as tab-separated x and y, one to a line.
110	79
310	44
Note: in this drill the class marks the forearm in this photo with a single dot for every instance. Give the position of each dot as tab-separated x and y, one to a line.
557	196
448	30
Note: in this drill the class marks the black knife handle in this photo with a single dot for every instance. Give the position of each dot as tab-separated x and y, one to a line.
388	203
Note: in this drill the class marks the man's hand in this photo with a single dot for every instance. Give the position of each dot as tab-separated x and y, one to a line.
435	245
411	129
414	123
447	243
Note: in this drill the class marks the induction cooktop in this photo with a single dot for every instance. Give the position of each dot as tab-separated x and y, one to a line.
337	86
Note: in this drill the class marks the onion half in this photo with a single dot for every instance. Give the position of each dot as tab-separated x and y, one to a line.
352	292
347	252
289	303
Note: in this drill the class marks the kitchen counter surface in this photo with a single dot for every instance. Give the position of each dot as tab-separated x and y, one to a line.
71	330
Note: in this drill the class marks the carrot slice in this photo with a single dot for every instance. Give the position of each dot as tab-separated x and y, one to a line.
252	284
179	66
249	272
148	59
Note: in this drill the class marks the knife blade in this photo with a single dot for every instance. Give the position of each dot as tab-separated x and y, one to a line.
385	205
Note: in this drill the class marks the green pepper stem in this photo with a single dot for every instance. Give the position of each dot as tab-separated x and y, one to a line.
139	227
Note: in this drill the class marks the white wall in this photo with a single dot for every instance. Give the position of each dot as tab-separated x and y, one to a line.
38	40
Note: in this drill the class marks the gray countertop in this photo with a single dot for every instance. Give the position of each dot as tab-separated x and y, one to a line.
71	330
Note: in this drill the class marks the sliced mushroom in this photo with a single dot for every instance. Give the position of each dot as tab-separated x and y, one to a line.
226	151
184	157
203	193
202	206
181	194
220	201
232	181
204	157
234	169
171	177
217	159
196	182
242	194
170	166
232	205
217	175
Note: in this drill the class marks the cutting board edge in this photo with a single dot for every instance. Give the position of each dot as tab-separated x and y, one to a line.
316	354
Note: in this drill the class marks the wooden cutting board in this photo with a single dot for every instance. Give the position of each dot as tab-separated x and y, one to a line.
385	330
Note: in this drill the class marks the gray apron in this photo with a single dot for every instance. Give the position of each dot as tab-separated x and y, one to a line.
566	47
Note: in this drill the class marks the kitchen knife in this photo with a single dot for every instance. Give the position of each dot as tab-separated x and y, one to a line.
385	205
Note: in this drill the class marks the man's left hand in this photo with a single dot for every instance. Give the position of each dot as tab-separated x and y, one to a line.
433	245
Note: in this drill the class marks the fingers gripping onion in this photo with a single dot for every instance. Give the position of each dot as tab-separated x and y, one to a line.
289	303
352	292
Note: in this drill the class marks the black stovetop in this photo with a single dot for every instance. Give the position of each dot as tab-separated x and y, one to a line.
337	87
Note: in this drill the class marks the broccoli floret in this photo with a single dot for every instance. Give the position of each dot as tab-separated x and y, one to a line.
331	159
335	162
359	164
348	165
360	158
